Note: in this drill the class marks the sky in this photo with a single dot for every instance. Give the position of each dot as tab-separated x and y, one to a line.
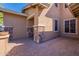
13	6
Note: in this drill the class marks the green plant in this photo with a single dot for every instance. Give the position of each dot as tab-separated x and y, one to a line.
1	18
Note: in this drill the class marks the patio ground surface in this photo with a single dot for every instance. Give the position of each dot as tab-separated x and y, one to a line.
55	47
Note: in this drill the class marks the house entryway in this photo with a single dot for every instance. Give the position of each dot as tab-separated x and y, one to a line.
30	28
30	32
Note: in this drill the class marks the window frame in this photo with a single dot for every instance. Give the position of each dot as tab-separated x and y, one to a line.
57	25
76	31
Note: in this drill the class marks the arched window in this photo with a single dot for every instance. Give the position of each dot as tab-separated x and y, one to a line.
1	18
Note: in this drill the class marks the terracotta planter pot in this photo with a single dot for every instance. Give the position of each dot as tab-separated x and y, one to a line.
4	36
4	33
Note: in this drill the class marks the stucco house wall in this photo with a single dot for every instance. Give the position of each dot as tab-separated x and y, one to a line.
18	23
29	11
65	15
47	22
61	13
54	12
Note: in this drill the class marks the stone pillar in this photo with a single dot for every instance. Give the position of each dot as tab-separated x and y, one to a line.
4	36
36	36
39	33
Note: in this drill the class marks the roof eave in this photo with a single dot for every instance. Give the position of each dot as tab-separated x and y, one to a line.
12	12
33	5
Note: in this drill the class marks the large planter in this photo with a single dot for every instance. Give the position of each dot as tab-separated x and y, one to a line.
4	36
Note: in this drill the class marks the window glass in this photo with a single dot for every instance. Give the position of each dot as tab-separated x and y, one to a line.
56	25
66	26
72	26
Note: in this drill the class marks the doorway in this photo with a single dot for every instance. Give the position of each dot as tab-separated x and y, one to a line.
30	28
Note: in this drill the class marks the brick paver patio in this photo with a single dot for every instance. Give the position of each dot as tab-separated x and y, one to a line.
55	47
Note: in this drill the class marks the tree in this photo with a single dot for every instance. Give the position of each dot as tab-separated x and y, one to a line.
1	18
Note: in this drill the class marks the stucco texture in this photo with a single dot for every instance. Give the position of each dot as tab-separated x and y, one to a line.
18	23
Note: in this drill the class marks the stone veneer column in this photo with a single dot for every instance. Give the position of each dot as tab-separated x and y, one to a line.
36	35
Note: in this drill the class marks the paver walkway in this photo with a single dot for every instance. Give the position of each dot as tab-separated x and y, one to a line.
55	47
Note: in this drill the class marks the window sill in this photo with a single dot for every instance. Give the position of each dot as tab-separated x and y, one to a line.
56	31
70	33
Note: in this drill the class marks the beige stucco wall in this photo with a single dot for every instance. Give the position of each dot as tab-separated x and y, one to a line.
54	11
30	11
47	21
61	13
18	23
31	22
